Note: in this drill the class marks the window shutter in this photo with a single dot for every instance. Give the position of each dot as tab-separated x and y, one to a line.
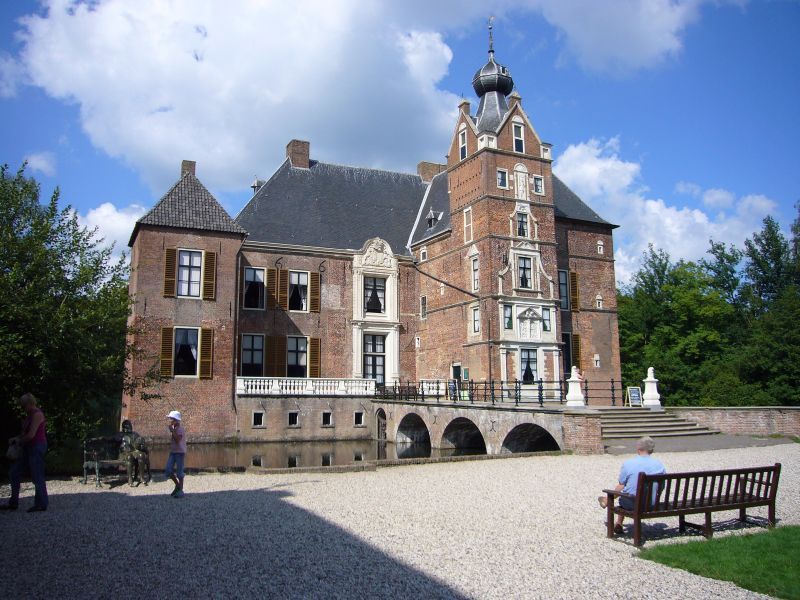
576	350
166	351
206	353
280	356
283	289
210	276
313	295
574	297
170	263
239	353
313	357
272	288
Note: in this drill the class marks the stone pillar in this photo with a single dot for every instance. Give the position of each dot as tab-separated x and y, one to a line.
651	396
575	397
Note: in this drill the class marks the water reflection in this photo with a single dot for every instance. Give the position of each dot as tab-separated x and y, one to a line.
282	455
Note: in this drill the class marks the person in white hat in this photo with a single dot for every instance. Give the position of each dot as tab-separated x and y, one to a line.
177	452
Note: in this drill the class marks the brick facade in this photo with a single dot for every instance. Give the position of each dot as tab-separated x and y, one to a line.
781	420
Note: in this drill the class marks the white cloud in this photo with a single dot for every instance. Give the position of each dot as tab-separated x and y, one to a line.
612	186
42	162
158	82
718	198
114	225
688	189
10	75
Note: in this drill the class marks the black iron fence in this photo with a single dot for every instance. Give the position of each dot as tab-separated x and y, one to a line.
538	392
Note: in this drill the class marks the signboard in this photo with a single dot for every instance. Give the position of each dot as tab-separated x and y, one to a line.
633	396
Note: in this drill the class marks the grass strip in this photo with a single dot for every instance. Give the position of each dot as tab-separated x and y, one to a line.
761	562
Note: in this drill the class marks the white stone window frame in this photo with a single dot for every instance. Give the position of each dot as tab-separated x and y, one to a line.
474	319
521	183
503	319
533	223
598	302
178	294
462	142
263	284
308	290
263	424
538	185
539	362
601	247
423	254
468	226
475	272
596	361
563	298
487	141
504	172
199	331
541	282
518	126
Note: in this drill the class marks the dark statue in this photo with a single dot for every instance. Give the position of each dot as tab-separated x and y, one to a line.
133	449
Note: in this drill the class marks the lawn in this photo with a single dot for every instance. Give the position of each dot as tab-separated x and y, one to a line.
762	562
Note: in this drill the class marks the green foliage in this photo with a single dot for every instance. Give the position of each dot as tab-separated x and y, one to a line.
718	332
761	562
63	313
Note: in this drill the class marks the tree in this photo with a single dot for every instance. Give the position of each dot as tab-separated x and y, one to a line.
63	313
768	266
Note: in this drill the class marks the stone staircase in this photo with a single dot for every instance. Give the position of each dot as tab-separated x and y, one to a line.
622	423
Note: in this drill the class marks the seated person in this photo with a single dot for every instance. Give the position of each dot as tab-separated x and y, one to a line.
133	448
629	475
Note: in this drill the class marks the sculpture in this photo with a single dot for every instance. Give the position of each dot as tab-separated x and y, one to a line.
133	450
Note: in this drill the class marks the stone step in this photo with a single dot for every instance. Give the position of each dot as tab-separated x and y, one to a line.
651	427
627	436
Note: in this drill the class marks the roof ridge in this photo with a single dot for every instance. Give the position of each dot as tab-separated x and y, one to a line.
319	162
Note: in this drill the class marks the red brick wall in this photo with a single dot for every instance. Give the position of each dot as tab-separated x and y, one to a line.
744	421
582	432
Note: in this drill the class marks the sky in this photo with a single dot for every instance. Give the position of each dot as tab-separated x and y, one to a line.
678	120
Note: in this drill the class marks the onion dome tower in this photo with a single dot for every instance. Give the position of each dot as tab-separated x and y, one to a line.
492	83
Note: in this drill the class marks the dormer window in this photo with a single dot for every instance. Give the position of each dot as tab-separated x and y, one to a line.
522	225
432	218
519	137
524	264
374	294
462	144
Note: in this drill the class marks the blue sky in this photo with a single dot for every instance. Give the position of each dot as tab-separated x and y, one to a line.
676	119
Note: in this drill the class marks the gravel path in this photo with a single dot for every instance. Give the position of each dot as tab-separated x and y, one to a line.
517	528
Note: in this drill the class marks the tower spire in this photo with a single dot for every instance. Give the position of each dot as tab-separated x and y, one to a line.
491	39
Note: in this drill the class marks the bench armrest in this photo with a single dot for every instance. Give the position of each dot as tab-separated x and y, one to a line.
618	493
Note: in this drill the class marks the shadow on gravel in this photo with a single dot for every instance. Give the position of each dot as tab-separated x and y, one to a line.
653	531
218	544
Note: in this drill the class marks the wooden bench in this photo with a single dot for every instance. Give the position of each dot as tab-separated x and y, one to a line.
681	494
104	453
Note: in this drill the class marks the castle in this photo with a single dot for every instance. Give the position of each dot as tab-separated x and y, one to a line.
279	323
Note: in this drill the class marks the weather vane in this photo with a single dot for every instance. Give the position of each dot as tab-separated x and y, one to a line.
491	39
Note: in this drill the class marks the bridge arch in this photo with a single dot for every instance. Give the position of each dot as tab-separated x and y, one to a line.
413	430
461	434
528	437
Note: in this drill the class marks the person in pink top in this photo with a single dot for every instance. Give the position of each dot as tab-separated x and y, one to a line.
33	440
177	452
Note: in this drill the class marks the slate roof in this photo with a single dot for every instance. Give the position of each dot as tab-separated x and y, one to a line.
189	205
333	206
569	206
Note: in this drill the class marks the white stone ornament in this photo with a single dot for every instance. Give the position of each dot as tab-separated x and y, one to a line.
575	397
651	397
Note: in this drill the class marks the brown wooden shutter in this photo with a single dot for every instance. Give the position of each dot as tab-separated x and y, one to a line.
166	351
272	288
170	264
574	297
210	276
283	289
206	353
239	354
313	357
576	350
280	356
313	295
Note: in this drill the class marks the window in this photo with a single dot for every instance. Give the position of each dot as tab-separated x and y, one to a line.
508	316
476	320
519	138
327	459
296	356
294	419
566	342
423	254
476	275
358	456
547	324
522	225
327	418
189	267
298	290
524	272
502	179
358	419
185	356
468	225
423	307
563	290
538	185
600	247
293	461
597	361
253	288
527	365
374	294
598	301
252	355
462	145
375	357
258	418
256	461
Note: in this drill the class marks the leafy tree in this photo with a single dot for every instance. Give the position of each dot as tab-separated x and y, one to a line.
63	313
768	266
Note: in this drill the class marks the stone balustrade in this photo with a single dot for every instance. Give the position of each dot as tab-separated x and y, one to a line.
298	386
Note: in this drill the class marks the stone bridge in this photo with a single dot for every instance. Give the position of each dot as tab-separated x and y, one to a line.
495	429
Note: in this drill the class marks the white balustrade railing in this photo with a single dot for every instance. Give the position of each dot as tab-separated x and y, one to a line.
296	386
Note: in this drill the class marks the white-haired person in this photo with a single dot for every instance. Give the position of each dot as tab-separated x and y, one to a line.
643	462
177	453
33	441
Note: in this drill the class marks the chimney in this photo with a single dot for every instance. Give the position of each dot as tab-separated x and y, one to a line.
187	166
427	170
513	99
298	153
464	105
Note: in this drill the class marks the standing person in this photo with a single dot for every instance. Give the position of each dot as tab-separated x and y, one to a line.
629	476
33	440
177	452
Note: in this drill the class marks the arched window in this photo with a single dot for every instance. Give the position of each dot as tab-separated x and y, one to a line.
598	301
600	247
